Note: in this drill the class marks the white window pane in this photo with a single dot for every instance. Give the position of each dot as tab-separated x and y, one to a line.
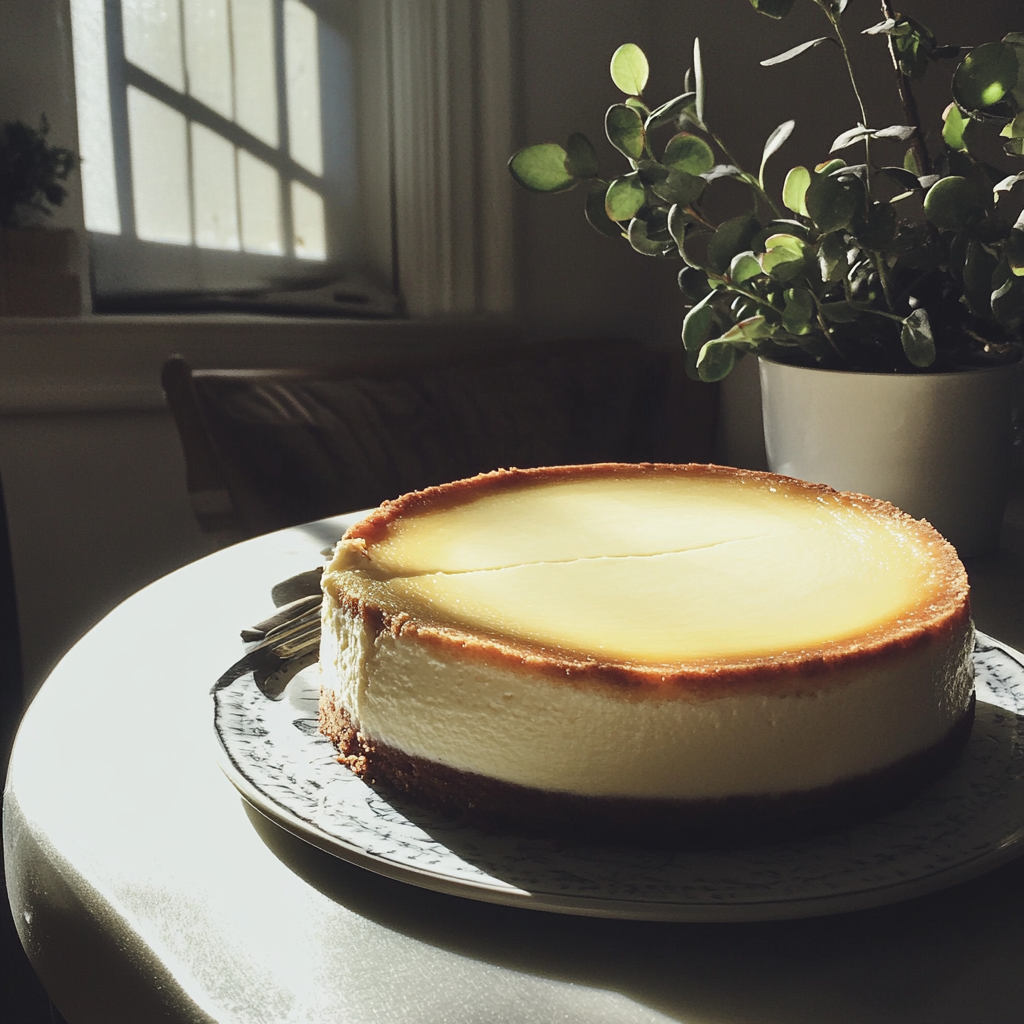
152	39
95	138
308	221
159	155
208	53
252	26
302	81
213	186
259	189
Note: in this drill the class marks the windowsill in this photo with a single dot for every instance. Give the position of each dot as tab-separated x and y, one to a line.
111	362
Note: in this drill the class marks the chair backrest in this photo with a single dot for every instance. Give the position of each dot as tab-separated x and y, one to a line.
266	449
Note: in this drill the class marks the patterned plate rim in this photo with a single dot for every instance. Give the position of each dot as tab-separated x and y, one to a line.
1007	848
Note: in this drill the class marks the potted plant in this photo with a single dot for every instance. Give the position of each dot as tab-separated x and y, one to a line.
36	278
862	282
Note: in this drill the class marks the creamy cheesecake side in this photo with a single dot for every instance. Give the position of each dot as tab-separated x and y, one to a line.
688	651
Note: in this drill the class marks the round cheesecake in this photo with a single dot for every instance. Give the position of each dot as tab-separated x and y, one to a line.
647	652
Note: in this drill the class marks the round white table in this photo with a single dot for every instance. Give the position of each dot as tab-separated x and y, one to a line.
145	888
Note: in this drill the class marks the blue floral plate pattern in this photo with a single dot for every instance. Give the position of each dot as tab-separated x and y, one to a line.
967	823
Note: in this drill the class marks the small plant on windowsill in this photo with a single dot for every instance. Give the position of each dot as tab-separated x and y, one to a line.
32	172
36	264
856	266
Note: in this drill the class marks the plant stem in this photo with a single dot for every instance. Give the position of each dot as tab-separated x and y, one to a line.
883	276
754	297
910	112
748	178
841	39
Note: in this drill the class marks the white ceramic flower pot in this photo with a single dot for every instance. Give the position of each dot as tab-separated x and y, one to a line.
936	445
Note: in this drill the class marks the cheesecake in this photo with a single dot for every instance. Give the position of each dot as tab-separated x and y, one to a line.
646	653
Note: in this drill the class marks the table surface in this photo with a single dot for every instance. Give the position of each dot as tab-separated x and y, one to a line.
145	888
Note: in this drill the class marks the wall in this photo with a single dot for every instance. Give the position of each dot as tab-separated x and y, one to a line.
89	458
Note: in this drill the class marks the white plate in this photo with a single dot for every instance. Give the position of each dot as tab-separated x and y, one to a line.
967	823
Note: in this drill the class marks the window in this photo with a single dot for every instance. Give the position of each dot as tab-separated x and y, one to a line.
240	145
218	142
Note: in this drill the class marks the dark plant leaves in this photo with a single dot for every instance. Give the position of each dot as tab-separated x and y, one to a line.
732	237
772	8
598	217
542	168
581	159
917	339
795	51
625	130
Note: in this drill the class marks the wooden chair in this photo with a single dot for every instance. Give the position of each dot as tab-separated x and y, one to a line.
266	449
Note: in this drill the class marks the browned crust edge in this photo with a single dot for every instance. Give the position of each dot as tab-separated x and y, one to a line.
931	623
731	821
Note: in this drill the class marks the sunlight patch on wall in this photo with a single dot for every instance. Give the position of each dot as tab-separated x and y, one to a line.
216	194
95	135
260	191
308	220
160	178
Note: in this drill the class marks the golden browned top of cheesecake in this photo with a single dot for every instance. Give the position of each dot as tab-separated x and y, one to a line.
700	577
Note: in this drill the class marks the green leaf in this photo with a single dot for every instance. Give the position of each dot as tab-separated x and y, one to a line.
830	166
581	159
743	267
1013	250
670	111
542	168
693	284
641	240
698	81
794	190
832	258
690	153
598	217
799	312
732	237
832	202
917	339
678	220
786	257
979	266
715	361
951	203
629	69
849	137
854	135
878	228
906	179
1014	129
912	51
889	27
911	163
895	131
697	324
774	143
772	8
985	75
680	187
953	124
795	51
840	312
625	131
1007	299
753	328
651	172
624	198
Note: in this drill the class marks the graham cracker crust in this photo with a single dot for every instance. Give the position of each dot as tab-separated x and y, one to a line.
732	821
